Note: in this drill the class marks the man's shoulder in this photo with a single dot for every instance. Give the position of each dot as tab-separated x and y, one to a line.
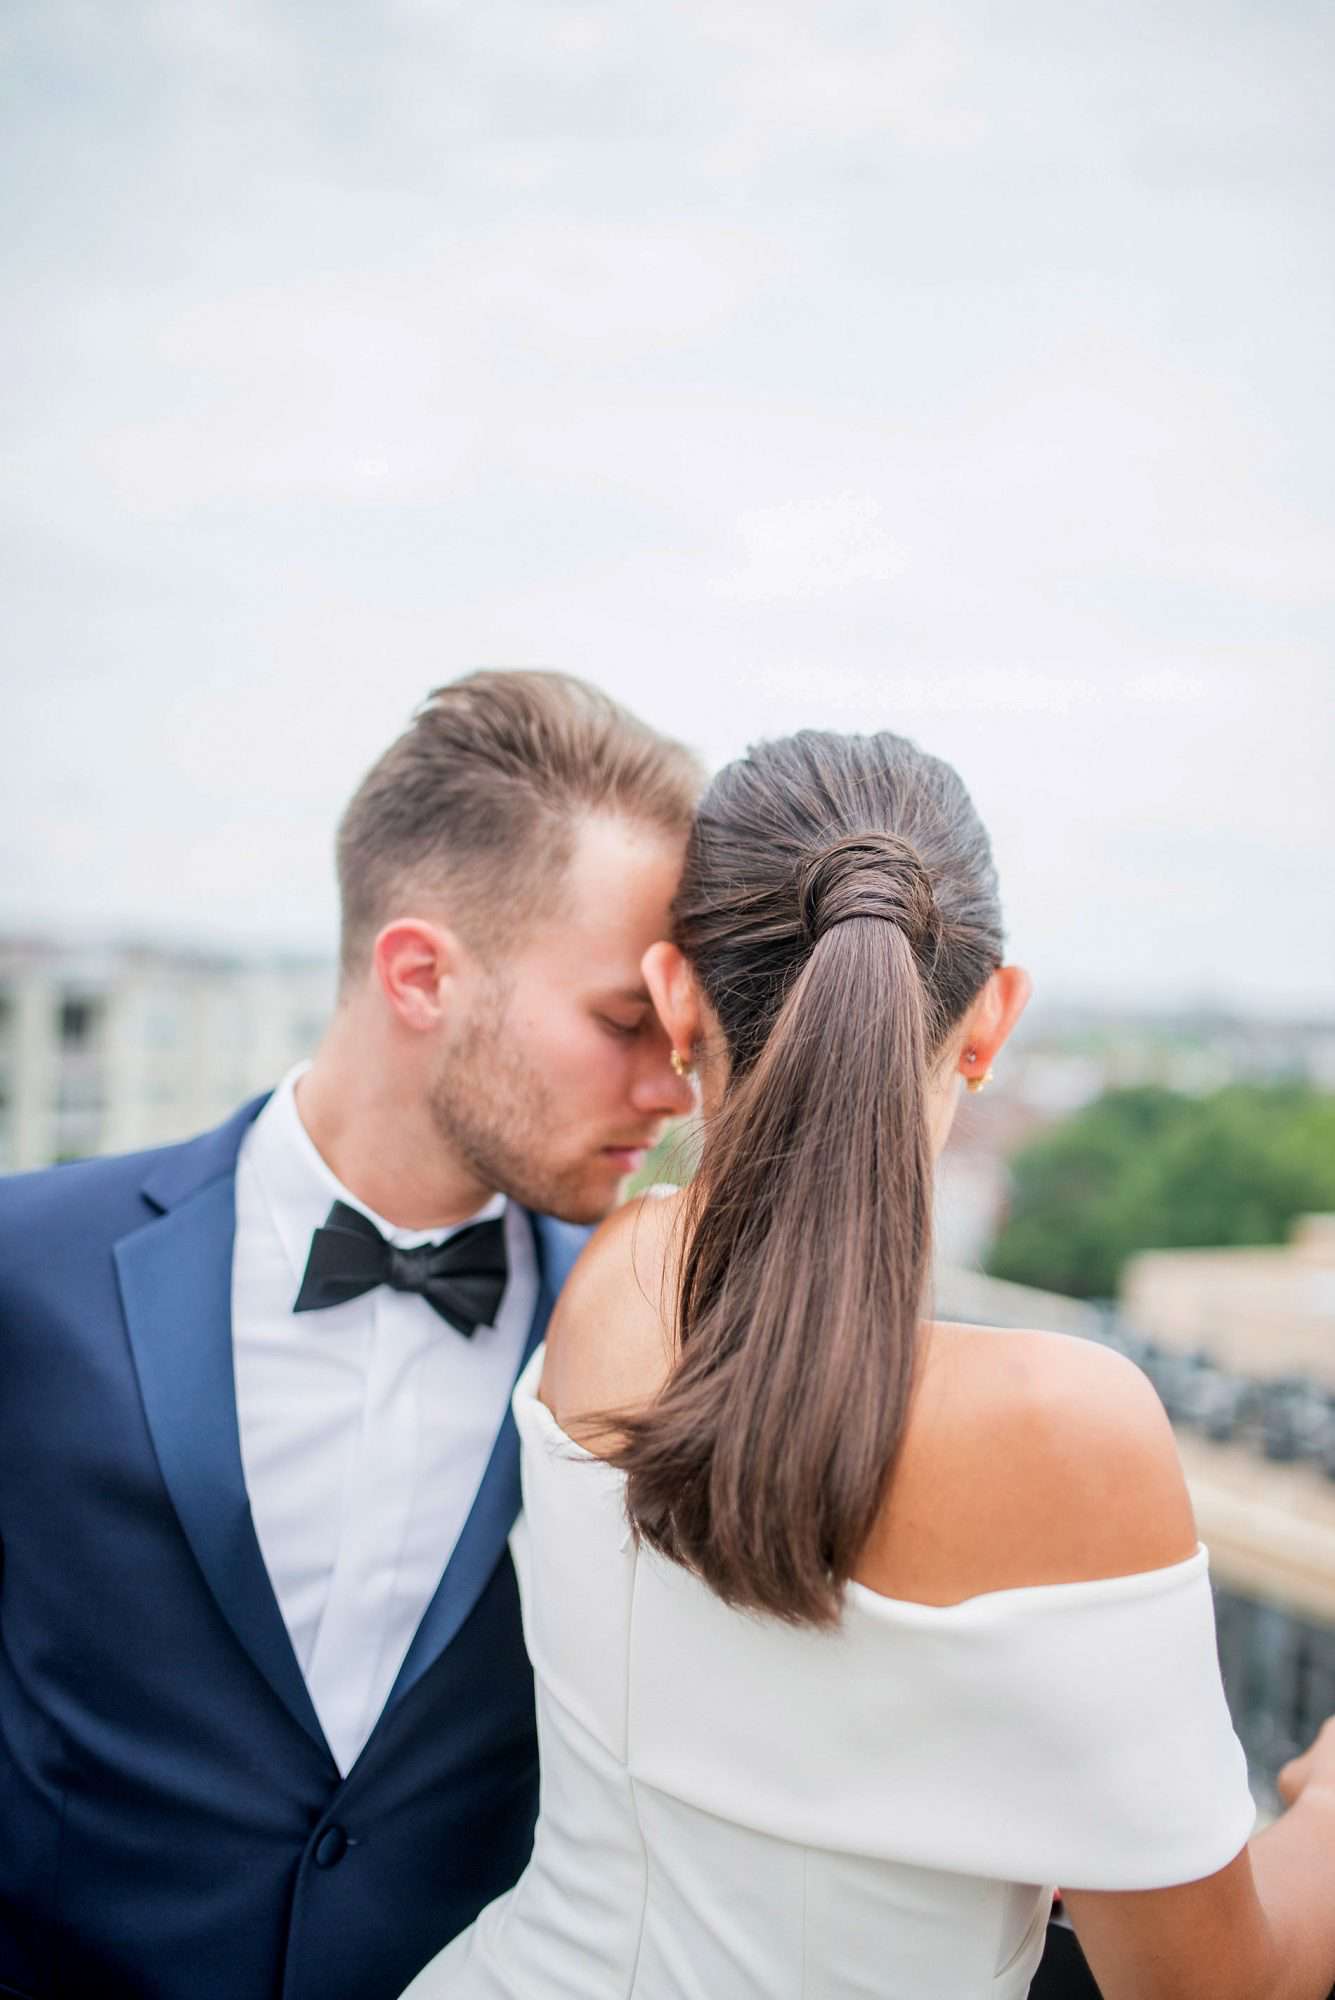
28	1200
560	1245
120	1187
571	1236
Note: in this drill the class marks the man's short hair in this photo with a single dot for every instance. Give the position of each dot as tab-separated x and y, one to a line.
477	803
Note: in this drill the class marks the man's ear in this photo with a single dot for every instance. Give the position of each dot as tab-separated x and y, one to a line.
414	961
672	988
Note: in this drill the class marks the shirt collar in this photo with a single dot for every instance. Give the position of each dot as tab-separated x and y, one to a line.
299	1186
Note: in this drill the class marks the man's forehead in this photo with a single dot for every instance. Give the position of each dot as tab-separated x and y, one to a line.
611	843
610	904
619	874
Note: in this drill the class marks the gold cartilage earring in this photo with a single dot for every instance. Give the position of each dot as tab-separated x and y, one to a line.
679	1065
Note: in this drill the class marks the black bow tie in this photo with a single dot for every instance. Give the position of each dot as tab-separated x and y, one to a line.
463	1277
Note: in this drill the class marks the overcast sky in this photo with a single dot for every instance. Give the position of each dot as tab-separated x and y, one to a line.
963	372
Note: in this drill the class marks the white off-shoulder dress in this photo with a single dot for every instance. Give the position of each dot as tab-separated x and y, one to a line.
737	1809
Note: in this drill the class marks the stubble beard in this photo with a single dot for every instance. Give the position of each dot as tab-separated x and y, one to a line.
493	1110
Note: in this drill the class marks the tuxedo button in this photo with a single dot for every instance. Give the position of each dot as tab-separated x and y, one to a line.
331	1847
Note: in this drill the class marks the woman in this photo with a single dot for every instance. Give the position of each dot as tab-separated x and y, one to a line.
854	1632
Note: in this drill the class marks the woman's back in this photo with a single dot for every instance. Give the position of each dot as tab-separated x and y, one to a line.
738	1807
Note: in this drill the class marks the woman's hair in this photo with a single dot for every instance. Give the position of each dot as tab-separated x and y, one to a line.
839	908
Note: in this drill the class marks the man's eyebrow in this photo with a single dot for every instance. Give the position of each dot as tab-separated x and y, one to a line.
634	996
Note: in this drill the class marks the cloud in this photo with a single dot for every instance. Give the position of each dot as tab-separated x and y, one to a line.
812	548
805	80
772	364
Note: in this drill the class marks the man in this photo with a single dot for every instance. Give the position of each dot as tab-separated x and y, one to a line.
266	1725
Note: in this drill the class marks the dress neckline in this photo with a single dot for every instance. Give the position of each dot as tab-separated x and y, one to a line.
530	1409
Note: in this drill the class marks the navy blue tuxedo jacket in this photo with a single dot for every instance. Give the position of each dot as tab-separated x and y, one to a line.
172	1825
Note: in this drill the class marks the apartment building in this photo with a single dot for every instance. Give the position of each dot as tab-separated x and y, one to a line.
105	1049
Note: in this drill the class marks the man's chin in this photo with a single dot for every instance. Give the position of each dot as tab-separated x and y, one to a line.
591	1208
590	1200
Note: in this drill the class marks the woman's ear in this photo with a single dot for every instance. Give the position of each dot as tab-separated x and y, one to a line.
994	1013
672	988
1011	987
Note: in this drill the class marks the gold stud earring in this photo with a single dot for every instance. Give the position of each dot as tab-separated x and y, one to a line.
679	1066
976	1083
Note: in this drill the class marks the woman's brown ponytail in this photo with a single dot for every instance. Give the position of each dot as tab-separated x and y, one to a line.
839	908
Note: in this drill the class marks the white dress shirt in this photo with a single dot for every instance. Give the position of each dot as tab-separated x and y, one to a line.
365	1427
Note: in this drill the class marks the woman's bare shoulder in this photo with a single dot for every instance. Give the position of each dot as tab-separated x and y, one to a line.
1029	1458
609	1343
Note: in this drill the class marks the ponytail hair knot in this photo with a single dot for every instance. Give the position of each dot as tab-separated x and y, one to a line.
874	874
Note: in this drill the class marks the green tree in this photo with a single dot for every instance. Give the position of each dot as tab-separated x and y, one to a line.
1149	1169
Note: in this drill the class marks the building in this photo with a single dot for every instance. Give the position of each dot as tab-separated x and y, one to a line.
1260	1312
105	1049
